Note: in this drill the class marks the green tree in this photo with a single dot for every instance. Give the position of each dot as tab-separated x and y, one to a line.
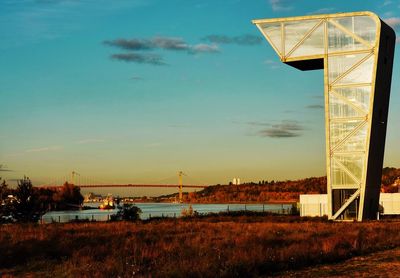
25	209
3	190
68	197
127	212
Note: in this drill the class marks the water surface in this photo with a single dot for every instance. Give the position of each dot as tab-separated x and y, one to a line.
158	210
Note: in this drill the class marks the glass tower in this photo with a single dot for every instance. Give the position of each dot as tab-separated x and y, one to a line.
355	50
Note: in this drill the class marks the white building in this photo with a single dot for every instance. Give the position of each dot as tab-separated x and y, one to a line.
313	204
316	204
236	181
390	203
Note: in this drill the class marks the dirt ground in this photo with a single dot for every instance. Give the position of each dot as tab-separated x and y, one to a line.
380	264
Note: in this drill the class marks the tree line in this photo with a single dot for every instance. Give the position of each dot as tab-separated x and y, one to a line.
26	203
289	190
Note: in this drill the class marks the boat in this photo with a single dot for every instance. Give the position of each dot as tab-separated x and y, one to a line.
108	203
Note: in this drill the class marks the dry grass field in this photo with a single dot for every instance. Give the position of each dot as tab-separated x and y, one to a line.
379	264
223	246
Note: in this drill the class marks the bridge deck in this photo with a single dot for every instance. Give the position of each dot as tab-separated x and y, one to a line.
130	185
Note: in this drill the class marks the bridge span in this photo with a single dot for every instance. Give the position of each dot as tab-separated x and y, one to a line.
130	185
82	182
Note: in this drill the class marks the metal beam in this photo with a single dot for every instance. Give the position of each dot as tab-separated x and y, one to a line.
346	204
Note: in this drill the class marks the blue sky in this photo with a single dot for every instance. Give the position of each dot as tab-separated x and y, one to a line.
133	91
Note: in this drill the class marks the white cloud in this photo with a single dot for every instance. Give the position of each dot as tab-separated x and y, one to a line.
280	5
388	14
272	64
393	21
202	47
322	11
387	3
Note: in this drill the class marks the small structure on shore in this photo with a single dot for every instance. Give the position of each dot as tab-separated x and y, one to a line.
317	204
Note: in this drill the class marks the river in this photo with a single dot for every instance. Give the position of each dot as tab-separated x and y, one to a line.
158	210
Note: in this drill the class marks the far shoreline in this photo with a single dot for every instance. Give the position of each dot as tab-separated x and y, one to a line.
271	202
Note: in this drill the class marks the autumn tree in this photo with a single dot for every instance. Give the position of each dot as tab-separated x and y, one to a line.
69	196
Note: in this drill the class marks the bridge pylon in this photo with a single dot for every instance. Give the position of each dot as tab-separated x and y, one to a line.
180	174
73	174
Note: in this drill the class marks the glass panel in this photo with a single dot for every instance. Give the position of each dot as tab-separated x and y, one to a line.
340	109
362	26
340	41
313	45
357	95
365	27
353	163
357	142
361	74
340	177
295	31
339	130
340	64
273	32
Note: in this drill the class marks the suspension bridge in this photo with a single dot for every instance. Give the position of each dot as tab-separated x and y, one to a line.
85	182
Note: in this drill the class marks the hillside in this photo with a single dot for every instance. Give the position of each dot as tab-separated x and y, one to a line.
275	191
263	191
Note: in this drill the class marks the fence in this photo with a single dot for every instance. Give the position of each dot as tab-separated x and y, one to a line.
169	212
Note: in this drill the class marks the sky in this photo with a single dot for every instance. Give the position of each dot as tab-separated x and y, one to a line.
135	91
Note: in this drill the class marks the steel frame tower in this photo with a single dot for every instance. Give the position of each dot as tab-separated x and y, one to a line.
356	52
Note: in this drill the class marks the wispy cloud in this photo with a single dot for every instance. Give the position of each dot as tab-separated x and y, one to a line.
30	21
163	43
281	5
272	64
388	14
157	43
132	44
393	21
11	155
323	11
3	168
254	123
284	129
386	3
246	39
140	58
315	106
204	48
89	141
45	149
137	78
167	43
398	40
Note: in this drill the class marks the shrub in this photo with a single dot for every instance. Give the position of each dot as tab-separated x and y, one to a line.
127	212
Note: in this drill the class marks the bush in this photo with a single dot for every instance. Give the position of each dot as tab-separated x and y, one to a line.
127	212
